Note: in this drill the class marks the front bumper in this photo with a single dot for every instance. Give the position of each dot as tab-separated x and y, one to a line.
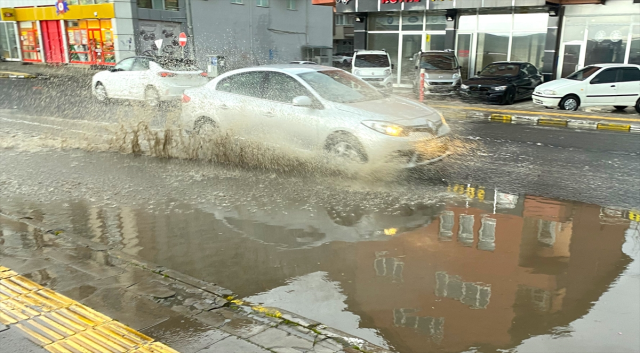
547	101
382	82
440	87
490	96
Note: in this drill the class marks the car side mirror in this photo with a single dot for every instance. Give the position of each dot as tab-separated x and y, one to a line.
302	101
595	80
478	73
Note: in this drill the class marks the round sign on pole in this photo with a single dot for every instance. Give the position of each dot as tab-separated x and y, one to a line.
182	39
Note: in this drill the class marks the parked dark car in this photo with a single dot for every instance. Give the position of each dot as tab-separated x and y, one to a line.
502	82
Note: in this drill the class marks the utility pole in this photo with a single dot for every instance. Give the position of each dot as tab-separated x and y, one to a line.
190	41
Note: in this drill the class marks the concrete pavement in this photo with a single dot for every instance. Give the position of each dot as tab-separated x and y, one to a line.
64	293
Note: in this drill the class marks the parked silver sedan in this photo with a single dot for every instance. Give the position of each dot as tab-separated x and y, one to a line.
317	110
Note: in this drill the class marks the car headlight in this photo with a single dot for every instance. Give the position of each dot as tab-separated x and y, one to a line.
386	128
455	76
463	86
549	92
357	72
387	72
499	88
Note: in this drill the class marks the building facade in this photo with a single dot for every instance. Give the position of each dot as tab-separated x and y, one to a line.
103	32
556	36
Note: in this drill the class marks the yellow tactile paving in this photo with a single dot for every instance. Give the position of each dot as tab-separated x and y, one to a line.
62	325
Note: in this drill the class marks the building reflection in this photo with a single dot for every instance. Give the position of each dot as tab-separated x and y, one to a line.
485	272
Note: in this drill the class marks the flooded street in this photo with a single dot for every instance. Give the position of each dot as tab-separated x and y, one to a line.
416	265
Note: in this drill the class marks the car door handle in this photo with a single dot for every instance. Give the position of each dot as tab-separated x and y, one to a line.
613	85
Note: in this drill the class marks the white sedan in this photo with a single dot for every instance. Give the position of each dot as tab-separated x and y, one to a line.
616	85
316	109
147	79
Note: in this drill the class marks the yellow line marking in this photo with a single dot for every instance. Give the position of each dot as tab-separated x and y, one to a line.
62	325
616	127
535	113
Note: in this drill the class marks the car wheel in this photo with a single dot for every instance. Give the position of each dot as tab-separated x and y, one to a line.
620	107
638	106
101	93
151	97
509	96
204	126
345	147
570	102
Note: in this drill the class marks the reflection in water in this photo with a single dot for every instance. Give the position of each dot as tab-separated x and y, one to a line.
487	272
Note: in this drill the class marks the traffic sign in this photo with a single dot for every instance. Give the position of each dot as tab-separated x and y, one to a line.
182	39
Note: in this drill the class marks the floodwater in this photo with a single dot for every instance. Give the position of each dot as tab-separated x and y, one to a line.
448	268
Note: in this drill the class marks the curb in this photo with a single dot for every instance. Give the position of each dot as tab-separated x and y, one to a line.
21	75
557	122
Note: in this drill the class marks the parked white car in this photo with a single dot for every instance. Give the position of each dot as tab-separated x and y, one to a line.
617	85
147	79
317	110
375	67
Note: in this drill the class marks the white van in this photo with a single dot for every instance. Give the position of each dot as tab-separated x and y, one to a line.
373	66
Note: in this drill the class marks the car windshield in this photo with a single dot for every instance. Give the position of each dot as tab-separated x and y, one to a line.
438	62
178	64
495	70
583	74
372	60
340	86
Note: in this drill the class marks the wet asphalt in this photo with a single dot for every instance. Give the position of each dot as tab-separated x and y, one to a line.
526	238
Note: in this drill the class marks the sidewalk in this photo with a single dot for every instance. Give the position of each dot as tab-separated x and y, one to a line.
526	112
36	70
64	293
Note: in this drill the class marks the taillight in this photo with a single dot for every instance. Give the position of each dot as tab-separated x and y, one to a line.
204	74
185	98
166	74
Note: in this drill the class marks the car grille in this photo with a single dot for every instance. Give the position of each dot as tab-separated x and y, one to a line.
439	83
373	79
478	89
433	128
537	101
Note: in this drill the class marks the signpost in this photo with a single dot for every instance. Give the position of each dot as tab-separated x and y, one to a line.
182	40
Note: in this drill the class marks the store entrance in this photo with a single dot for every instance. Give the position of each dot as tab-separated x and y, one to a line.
411	45
571	58
52	38
29	41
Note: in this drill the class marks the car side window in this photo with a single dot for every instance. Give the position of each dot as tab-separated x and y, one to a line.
606	76
125	65
284	88
141	64
628	74
245	84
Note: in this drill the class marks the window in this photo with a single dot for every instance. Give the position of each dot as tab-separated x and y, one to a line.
339	86
628	74
606	76
171	5
292	5
531	70
583	74
342	20
145	4
239	2
125	65
246	84
262	3
141	64
283	88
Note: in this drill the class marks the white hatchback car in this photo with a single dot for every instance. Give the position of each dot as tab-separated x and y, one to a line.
148	79
317	110
617	85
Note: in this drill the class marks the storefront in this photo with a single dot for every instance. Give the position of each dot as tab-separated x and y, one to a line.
79	34
593	34
9	40
479	35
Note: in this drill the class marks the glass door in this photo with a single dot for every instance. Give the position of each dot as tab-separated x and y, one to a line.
463	52
571	58
411	45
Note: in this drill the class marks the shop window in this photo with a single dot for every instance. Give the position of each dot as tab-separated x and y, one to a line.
412	21
240	2
8	43
492	47
343	20
436	23
528	47
607	40
467	23
29	41
530	22
73	2
494	23
634	53
384	22
292	5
